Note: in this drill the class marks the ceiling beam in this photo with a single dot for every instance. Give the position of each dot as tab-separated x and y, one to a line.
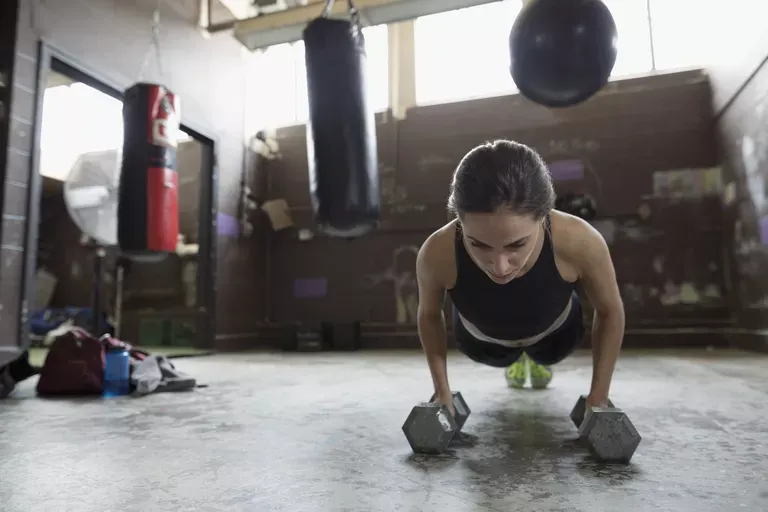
238	8
287	26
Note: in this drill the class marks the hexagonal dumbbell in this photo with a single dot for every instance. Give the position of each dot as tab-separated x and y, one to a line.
460	407
607	431
429	428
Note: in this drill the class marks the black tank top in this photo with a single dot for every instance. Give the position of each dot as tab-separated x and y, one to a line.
524	307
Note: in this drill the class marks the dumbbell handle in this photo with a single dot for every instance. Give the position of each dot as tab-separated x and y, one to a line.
579	413
591	410
461	409
609	405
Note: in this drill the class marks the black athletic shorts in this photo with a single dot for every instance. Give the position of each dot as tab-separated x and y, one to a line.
552	349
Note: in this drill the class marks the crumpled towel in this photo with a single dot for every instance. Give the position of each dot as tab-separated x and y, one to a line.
156	374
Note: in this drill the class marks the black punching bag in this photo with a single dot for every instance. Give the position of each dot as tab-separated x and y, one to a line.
341	133
562	51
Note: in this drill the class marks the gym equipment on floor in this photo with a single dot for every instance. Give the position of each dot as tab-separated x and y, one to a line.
430	427
607	431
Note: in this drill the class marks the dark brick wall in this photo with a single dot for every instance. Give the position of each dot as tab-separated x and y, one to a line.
667	250
112	38
8	12
743	132
739	49
15	146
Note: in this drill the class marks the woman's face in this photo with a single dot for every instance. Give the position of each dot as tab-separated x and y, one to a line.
500	243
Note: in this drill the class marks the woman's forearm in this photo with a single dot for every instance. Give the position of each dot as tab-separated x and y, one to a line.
432	333
607	338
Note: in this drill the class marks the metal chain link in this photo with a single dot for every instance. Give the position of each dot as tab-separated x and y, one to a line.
154	46
353	12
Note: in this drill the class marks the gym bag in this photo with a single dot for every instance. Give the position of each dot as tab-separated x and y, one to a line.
75	363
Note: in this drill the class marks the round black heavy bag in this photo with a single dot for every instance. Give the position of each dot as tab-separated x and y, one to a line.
147	209
562	51
341	133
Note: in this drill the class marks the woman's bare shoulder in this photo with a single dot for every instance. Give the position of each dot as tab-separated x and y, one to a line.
568	229
573	239
437	259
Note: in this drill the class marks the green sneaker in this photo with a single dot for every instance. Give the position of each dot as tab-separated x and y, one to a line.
517	373
540	375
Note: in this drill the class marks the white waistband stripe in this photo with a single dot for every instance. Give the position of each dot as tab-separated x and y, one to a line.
475	332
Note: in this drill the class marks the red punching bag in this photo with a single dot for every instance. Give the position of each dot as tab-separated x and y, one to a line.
147	210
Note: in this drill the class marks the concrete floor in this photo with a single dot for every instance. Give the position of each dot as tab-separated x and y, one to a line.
322	433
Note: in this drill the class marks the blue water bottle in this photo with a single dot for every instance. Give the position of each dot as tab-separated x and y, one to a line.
117	373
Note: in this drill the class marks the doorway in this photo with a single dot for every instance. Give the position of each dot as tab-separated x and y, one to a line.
74	272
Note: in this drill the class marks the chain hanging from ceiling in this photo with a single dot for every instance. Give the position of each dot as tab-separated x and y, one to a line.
154	46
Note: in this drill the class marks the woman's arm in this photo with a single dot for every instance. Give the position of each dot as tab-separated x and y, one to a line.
598	277
430	318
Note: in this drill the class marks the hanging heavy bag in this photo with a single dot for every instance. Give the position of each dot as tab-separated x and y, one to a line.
562	53
341	133
147	210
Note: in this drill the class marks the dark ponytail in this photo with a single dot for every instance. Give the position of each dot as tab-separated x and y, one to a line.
502	175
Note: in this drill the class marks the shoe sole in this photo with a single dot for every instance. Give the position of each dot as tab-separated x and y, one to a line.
539	382
516	383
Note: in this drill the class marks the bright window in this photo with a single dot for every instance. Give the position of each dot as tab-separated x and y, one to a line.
277	82
464	53
271	89
634	37
77	119
676	50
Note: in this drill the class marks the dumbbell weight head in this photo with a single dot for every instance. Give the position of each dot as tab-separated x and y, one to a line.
459	406
580	409
609	434
429	428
